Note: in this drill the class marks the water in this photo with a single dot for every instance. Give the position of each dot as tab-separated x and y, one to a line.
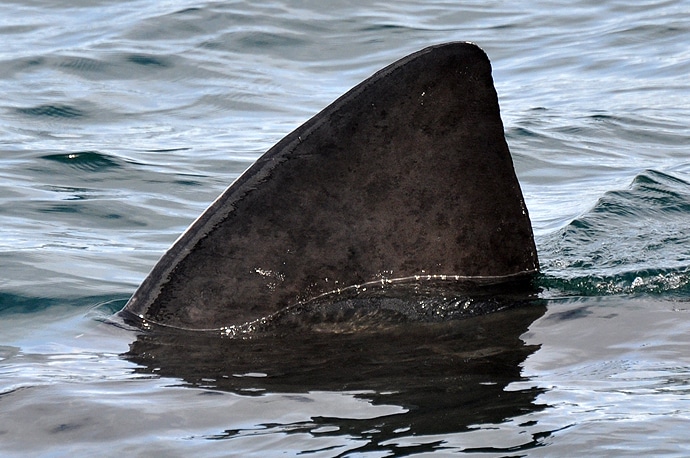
121	121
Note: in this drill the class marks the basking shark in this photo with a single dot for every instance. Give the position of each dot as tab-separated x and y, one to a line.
405	181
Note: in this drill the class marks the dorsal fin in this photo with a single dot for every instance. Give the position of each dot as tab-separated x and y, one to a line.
407	174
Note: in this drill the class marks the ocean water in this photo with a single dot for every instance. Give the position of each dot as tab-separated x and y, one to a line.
121	121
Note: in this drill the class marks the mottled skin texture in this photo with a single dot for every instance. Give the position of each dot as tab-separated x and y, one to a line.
408	173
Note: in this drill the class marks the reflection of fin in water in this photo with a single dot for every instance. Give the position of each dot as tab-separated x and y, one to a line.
448	375
406	176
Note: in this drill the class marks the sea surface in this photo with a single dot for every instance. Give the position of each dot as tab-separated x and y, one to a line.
120	121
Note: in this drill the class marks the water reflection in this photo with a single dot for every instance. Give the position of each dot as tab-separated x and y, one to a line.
447	376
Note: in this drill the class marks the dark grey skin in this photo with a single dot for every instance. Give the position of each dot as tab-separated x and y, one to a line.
405	178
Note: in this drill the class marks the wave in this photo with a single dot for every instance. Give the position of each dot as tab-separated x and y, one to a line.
101	304
632	241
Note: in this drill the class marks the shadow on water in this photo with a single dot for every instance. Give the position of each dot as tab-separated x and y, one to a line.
447	374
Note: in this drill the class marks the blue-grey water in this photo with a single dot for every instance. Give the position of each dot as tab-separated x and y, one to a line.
120	121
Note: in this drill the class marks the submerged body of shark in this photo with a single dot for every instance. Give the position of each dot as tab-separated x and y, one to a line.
405	182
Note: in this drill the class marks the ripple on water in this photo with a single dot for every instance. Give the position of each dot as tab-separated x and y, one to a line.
87	161
53	111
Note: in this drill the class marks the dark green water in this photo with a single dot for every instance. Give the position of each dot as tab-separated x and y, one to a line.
121	121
